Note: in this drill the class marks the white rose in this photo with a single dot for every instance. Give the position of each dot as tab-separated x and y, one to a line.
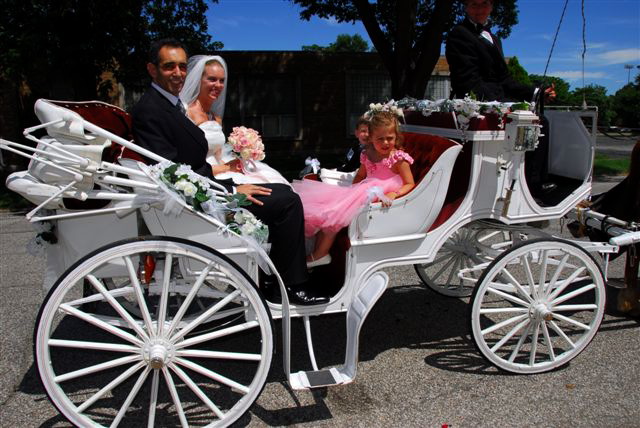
239	217
190	189
180	185
248	228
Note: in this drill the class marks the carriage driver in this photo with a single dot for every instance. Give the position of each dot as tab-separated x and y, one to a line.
477	65
161	126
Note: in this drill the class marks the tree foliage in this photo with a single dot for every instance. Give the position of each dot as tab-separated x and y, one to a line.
594	95
563	95
407	34
625	104
61	48
517	72
343	43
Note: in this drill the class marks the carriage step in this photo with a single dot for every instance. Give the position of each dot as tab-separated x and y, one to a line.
316	379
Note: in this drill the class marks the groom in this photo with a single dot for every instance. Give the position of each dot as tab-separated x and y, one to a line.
161	126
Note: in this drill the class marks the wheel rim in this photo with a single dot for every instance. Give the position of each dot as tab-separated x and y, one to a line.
203	361
461	260
537	306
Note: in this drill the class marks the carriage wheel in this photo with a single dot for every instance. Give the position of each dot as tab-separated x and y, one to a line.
537	306
468	249
199	354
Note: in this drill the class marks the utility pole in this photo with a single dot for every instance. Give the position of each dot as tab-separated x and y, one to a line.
628	67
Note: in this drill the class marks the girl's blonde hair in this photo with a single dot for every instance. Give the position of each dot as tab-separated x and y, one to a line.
385	119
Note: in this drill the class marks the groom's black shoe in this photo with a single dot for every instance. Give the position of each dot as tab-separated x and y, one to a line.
300	295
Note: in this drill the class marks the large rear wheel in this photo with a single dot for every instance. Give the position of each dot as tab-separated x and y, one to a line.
170	333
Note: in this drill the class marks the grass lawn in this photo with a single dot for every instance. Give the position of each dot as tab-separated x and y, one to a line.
604	165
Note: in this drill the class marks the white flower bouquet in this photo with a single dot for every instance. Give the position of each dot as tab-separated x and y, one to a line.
195	190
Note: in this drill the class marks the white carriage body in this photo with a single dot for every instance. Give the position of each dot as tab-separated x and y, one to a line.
468	175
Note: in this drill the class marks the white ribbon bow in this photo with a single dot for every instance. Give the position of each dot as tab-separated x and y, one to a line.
313	163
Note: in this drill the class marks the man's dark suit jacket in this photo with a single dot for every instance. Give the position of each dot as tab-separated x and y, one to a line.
478	65
161	128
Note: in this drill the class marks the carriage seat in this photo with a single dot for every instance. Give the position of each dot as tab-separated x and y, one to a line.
415	212
39	182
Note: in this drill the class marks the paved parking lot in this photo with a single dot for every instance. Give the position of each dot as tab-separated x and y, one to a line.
418	365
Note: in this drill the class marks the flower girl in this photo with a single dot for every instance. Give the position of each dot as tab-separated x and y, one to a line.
384	175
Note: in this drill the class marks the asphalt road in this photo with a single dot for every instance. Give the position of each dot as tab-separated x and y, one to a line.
418	365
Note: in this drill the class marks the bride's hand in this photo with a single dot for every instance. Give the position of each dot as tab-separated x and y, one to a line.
235	165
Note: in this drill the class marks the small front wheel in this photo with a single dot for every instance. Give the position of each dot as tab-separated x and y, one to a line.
537	306
129	336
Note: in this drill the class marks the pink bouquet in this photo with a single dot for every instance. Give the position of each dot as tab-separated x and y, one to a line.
246	144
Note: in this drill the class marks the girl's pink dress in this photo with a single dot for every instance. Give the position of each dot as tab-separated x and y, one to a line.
331	207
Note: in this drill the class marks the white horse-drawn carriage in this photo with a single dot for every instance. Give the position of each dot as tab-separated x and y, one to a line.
157	317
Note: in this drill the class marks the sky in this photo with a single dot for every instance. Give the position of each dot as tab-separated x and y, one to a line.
612	35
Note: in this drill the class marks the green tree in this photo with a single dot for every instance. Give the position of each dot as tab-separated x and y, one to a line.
61	48
625	104
406	34
343	43
563	95
517	72
594	95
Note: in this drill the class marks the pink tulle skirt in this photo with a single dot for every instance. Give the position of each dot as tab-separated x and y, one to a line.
330	207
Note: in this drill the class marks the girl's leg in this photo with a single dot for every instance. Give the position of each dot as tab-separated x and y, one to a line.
324	241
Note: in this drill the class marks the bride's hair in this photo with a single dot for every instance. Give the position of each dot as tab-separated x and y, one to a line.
191	88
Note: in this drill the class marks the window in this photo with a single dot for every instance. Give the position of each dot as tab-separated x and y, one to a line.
267	103
362	90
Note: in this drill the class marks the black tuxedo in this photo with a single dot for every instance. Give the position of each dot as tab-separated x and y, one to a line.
478	65
162	128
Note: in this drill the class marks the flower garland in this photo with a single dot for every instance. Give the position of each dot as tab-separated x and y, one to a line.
465	109
390	106
196	191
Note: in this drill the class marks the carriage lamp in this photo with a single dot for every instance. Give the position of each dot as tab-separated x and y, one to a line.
523	129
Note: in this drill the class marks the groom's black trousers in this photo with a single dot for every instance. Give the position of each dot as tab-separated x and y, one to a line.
283	213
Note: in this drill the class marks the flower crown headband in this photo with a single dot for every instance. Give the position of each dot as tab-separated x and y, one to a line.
390	106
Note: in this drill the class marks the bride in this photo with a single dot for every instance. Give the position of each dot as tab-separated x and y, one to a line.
204	92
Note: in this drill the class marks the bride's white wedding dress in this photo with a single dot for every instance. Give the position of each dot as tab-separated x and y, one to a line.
253	172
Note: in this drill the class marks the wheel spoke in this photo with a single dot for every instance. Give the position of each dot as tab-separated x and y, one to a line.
100	324
573	294
174	396
153	399
506	296
543	273
547	339
239	356
534	344
117	306
130	397
532	282
562	334
187	301
443	268
164	293
216	334
571	321
117	381
485	311
212	375
454	269
196	389
139	294
196	322
585	307
93	346
97	368
508	336
518	346
556	274
564	284
516	284
503	324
